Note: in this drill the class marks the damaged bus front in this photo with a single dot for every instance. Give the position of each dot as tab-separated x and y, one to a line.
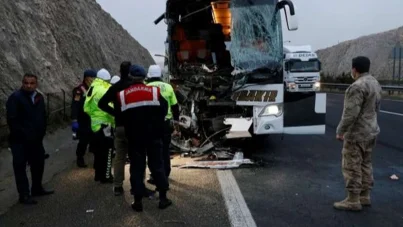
224	60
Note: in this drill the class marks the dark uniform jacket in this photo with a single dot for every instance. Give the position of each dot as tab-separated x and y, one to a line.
77	106
26	117
143	112
111	96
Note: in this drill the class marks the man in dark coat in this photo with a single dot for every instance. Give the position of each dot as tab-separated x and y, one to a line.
26	118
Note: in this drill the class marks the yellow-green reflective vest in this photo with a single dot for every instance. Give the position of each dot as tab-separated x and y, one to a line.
98	117
168	93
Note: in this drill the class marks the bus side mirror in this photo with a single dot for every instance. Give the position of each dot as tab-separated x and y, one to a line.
286	66
290	16
320	66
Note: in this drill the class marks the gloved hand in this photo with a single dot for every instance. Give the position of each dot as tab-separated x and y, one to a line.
74	126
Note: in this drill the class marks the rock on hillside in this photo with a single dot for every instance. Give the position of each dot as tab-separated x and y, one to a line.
58	40
378	47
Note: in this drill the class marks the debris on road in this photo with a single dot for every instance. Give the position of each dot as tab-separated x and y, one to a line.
236	162
220	155
90	211
213	141
230	164
394	177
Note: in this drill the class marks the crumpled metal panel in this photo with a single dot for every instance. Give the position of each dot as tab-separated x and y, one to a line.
256	39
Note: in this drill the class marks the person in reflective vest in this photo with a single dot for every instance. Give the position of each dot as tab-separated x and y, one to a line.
154	79
101	125
143	116
81	122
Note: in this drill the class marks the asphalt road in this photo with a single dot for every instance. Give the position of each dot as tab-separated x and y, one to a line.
303	177
297	187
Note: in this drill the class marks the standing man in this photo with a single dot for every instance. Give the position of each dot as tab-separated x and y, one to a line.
102	124
120	140
358	129
81	122
143	115
26	119
155	79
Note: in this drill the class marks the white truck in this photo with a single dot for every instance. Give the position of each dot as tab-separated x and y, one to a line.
301	69
225	59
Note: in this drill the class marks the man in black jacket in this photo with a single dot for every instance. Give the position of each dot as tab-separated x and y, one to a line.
120	137
81	122
121	144
143	116
26	118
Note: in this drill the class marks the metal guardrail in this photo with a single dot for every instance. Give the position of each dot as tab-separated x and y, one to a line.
390	88
57	103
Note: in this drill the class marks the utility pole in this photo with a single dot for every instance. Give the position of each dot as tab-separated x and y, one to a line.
400	60
394	64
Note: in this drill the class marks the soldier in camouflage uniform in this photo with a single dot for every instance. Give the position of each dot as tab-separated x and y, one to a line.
358	129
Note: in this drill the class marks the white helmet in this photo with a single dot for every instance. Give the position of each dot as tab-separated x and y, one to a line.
154	71
103	74
115	79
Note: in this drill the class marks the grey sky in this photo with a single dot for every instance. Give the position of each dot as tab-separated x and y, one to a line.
322	23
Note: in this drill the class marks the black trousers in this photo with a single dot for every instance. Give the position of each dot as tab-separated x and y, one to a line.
85	135
166	142
34	154
139	151
102	147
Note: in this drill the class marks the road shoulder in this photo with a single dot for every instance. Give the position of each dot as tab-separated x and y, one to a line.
79	201
62	153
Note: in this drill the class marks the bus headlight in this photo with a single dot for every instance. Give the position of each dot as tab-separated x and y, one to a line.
317	85
272	110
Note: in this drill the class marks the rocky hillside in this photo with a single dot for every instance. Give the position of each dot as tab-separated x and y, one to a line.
58	40
378	47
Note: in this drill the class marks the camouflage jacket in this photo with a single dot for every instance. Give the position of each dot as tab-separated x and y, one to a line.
361	106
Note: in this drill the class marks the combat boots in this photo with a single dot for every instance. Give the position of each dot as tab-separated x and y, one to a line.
365	198
351	203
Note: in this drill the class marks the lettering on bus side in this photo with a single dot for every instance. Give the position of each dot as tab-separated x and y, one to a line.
255	96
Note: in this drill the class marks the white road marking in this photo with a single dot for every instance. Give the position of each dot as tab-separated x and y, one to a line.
392	100
238	211
393	113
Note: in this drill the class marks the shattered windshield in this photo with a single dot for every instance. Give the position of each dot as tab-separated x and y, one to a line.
304	66
256	38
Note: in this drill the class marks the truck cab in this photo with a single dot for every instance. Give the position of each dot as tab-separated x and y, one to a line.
301	69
